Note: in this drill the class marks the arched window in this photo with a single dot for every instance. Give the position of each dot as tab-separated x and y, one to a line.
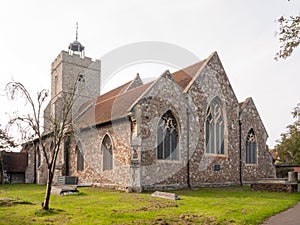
214	128
106	148
39	156
52	146
167	137
251	147
80	157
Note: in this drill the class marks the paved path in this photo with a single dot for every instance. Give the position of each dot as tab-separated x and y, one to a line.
288	217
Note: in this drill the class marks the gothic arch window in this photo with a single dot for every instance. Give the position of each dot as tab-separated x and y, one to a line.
251	147
167	137
214	128
80	157
106	148
52	146
39	156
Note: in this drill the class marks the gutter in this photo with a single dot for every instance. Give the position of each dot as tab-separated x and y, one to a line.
240	150
188	142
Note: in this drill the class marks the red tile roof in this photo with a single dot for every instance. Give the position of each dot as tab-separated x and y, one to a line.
108	109
183	77
103	97
117	103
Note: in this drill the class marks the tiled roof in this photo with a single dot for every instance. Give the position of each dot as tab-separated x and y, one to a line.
15	162
108	109
117	103
183	77
105	96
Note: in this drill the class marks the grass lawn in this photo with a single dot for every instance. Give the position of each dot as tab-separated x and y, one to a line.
20	204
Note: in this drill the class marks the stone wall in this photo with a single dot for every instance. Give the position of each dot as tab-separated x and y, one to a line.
264	167
205	169
212	169
91	139
289	187
164	95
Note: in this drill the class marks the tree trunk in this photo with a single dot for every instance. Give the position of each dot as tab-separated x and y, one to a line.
45	204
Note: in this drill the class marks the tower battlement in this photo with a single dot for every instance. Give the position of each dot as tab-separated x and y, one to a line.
64	56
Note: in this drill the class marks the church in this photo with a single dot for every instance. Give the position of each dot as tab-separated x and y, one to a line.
184	129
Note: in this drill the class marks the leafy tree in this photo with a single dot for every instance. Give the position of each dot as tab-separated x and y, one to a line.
32	124
288	148
289	36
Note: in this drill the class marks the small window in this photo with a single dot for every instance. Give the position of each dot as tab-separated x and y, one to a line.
251	148
167	137
107	153
39	156
55	84
52	146
81	78
214	128
80	157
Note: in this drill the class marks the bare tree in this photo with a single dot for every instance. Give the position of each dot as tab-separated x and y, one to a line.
60	125
6	141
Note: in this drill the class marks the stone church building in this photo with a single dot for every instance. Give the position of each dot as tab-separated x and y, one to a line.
184	129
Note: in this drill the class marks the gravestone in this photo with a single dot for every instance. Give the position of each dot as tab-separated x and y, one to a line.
64	190
166	195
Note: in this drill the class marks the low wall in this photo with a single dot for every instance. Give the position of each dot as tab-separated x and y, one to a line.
277	187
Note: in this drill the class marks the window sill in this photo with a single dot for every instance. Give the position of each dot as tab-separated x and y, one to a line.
168	161
218	156
251	164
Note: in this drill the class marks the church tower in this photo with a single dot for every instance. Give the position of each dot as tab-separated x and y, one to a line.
70	68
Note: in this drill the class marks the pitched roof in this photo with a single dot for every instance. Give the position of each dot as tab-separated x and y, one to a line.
117	103
184	76
15	162
106	109
104	96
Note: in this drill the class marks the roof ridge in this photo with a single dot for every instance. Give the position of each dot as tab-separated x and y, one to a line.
203	65
123	93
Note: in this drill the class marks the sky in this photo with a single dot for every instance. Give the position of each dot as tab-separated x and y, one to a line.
244	33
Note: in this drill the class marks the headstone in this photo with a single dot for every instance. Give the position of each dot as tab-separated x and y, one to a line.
166	195
292	177
63	190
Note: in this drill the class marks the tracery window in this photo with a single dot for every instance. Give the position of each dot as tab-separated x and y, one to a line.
167	137
251	147
214	128
80	157
106	148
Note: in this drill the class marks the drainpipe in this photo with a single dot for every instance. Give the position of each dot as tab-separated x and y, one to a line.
34	163
188	142
240	149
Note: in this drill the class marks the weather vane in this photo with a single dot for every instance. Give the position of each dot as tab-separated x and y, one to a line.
76	31
76	46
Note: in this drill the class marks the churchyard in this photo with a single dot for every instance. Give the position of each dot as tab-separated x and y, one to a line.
21	204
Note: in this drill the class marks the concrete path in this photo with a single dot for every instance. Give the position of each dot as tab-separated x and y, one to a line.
288	217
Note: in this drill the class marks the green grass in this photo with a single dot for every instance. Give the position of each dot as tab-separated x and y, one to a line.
20	204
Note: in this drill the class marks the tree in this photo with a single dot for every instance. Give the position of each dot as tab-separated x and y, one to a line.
289	36
289	146
60	125
6	141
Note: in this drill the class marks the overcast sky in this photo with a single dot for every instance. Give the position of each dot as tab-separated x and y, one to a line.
242	32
